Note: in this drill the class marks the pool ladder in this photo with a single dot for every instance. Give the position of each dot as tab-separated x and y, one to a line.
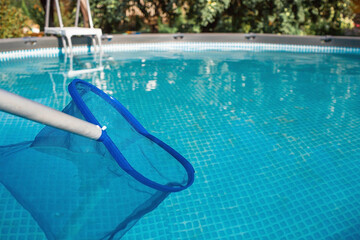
66	33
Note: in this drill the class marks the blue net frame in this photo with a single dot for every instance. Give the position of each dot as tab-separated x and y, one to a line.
72	186
106	140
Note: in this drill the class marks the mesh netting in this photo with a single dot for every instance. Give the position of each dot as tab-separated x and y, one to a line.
77	188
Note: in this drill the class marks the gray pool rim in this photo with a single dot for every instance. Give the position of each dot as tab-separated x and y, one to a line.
29	43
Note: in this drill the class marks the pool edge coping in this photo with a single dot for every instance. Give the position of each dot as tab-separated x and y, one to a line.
52	46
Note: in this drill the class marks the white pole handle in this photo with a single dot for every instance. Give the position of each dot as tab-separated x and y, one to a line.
26	108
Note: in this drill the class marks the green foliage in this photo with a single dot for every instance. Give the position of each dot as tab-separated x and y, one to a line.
179	22
12	20
110	15
298	17
34	10
211	9
68	9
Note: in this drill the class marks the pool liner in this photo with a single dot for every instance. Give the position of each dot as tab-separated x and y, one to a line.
77	188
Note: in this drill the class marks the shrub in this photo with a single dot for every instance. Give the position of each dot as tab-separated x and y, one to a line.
12	20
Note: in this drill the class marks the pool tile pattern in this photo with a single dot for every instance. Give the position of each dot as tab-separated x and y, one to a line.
274	140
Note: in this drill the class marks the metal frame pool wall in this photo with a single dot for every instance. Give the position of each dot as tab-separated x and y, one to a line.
54	43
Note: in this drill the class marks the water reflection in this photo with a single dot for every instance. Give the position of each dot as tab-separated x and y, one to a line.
85	64
269	91
263	130
276	92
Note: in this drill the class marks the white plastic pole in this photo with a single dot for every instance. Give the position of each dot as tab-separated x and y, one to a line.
59	13
26	108
47	14
89	13
77	13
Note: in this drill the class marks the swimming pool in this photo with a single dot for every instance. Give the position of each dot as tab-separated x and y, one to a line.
273	136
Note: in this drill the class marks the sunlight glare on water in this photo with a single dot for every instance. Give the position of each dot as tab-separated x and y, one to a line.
274	138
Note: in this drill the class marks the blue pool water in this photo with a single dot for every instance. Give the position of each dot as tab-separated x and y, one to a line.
274	138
